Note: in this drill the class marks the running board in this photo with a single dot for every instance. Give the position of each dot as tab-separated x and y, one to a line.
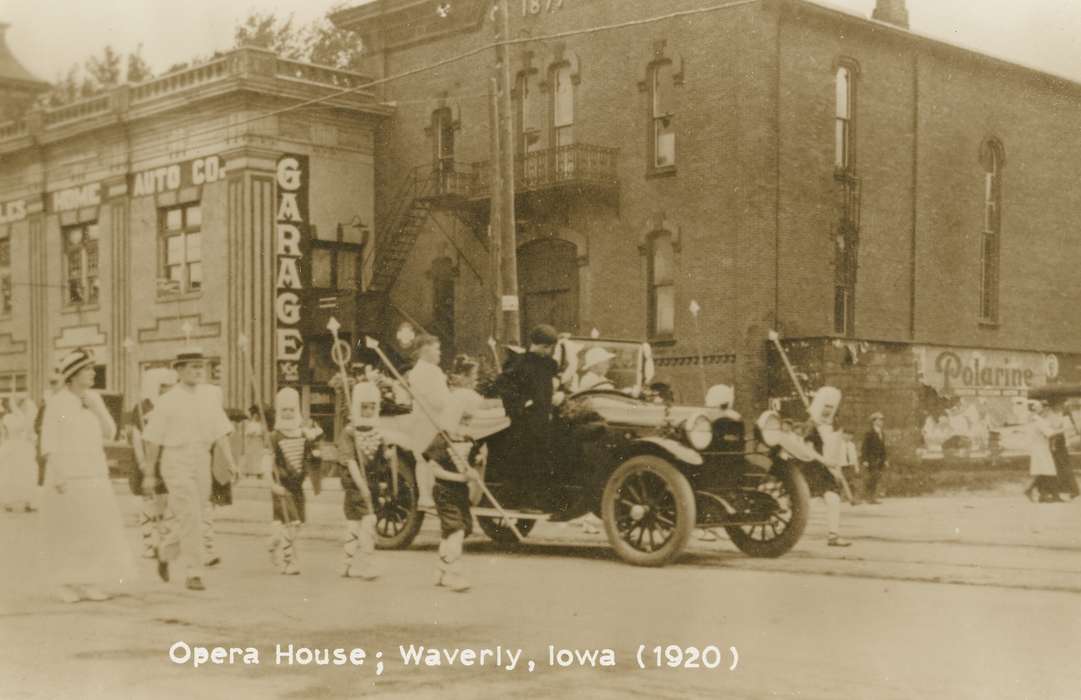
514	514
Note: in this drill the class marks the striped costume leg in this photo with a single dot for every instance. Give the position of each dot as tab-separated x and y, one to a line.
210	555
149	524
277	534
352	542
450	568
289	553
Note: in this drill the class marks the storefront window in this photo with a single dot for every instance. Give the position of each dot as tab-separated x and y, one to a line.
81	264
181	268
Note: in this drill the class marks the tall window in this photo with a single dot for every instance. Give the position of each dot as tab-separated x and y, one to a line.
662	290
842	151
336	264
442	275
6	302
526	129
80	264
662	101
992	228
181	268
562	106
443	131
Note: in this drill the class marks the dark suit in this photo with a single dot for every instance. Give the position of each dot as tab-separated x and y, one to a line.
526	387
873	454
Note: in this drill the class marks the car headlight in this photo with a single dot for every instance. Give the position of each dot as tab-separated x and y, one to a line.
699	431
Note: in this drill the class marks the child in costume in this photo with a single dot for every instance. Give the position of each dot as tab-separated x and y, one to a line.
453	475
290	453
362	446
154	519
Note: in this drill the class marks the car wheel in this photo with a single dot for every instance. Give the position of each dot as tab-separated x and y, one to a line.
499	531
781	531
397	520
648	511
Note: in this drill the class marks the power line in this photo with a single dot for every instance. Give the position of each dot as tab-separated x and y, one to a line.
454	59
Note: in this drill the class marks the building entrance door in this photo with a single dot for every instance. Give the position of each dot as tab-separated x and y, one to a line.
548	284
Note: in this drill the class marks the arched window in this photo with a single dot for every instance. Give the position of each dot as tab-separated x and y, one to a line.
562	105
992	160
526	127
662	288
662	106
843	112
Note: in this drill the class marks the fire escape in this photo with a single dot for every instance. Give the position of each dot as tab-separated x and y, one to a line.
549	175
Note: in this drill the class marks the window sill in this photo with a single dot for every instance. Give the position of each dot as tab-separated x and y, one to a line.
80	308
668	171
171	298
990	325
845	174
663	341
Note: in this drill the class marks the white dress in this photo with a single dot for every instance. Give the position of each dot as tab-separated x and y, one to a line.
84	539
18	461
1041	462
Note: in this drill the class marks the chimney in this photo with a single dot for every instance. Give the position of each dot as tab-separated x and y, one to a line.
891	11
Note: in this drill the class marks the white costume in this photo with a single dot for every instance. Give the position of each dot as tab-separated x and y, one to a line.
186	423
18	460
1041	462
82	527
429	386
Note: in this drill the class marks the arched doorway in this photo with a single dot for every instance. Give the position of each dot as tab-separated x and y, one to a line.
548	284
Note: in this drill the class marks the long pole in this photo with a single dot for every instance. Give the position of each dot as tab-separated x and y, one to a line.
495	219
457	458
837	473
508	255
340	353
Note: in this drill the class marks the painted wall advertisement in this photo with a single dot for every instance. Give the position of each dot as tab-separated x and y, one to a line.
291	247
975	401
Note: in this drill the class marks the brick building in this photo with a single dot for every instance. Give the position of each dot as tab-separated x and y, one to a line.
893	204
165	212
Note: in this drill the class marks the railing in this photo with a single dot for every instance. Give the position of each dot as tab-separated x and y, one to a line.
78	110
320	75
576	164
11	130
180	80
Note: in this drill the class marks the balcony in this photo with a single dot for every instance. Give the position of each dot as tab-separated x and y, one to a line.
577	167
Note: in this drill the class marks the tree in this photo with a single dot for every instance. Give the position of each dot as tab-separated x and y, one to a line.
98	74
319	42
104	71
138	69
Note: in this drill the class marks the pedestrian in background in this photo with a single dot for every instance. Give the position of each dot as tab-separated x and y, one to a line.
18	464
83	531
1044	486
1061	454
874	457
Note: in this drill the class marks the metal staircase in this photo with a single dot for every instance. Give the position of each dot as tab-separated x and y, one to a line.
408	213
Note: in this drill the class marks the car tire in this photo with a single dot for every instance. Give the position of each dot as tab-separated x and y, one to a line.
647	498
789	484
501	533
397	519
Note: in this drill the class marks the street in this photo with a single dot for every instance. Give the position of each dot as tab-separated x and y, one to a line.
968	596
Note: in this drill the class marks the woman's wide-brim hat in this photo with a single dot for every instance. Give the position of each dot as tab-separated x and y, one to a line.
189	356
74	362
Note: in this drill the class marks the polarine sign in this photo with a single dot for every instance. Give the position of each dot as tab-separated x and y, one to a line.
291	233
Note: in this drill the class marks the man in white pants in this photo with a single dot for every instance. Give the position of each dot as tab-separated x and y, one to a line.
187	423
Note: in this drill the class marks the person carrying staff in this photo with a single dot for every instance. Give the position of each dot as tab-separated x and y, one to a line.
830	457
188	422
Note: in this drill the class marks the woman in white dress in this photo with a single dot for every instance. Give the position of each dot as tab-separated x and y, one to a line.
18	460
1041	462
84	536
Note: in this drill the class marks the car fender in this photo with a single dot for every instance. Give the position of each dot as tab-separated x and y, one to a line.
674	448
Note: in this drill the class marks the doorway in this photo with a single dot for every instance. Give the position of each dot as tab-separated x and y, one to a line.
548	284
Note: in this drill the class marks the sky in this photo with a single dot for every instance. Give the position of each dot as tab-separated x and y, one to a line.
48	36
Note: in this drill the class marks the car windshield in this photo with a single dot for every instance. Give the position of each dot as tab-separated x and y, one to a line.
625	363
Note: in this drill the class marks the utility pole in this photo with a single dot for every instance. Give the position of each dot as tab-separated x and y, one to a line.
508	258
495	218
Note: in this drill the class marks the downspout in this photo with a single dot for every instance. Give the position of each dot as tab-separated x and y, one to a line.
915	192
777	177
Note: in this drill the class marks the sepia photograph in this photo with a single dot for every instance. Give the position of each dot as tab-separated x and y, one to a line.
540	349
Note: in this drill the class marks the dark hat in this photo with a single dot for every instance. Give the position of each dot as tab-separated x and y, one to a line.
543	335
74	362
189	355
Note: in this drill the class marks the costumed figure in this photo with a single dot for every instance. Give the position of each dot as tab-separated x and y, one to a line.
453	475
83	534
18	459
290	455
1061	454
154	518
429	386
828	444
362	447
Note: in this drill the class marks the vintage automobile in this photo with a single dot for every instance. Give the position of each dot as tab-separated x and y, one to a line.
651	470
